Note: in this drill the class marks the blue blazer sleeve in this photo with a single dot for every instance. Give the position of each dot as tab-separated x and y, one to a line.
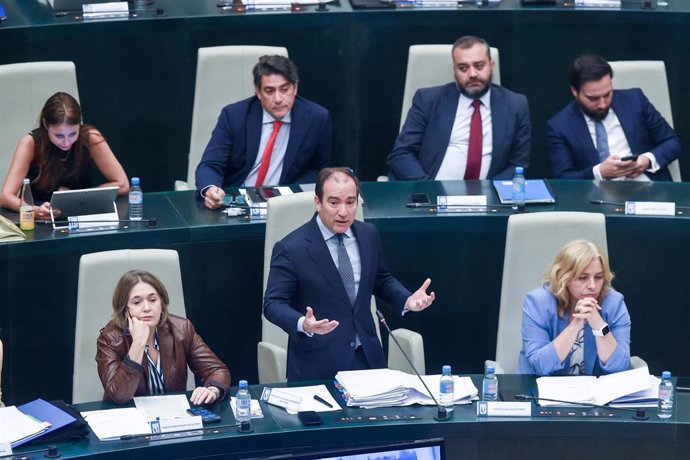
539	328
615	313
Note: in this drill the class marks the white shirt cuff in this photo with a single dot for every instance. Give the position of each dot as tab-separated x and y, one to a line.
654	165
597	173
300	327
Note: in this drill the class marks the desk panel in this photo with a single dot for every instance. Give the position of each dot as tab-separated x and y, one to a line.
466	435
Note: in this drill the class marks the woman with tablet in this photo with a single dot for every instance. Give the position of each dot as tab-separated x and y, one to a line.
576	323
58	155
144	350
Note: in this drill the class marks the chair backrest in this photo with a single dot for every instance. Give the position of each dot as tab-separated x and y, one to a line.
532	241
650	77
432	65
25	88
285	214
223	76
99	272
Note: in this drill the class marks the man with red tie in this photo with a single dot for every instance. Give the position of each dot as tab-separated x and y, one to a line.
275	137
467	129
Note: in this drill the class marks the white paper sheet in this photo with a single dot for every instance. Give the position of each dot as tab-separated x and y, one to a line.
111	424
164	406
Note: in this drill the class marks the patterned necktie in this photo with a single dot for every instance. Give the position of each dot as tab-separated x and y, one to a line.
347	274
474	147
266	157
602	141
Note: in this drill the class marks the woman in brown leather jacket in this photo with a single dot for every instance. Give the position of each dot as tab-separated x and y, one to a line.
144	350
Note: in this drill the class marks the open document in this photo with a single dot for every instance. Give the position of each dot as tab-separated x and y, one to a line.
385	388
593	390
17	426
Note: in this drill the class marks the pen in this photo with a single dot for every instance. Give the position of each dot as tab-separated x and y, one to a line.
323	401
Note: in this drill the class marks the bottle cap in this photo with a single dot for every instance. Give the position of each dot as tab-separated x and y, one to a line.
666	375
26	181
135	181
243	384
519	170
446	369
490	369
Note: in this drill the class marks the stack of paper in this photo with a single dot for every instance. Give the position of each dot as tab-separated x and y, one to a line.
18	427
386	388
593	390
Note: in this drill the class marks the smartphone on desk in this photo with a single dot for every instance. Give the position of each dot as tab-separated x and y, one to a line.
310	417
206	415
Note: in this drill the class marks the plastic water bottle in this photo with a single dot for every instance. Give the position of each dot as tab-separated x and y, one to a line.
136	200
490	384
665	408
26	207
243	403
447	389
519	190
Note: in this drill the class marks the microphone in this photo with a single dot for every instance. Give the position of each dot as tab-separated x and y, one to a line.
612	203
640	414
151	222
442	414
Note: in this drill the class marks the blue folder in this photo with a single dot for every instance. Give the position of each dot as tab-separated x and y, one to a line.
43	411
536	191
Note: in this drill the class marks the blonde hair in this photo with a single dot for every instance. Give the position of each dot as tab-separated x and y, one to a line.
570	262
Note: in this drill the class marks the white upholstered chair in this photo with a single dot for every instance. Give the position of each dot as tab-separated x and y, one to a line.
532	242
286	213
650	77
223	76
24	89
432	65
99	272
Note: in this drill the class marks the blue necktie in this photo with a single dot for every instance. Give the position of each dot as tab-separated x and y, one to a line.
602	141
347	274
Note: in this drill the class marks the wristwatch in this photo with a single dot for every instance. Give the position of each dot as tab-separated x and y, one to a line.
601	332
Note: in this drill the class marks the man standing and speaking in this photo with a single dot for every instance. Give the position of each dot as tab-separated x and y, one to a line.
321	281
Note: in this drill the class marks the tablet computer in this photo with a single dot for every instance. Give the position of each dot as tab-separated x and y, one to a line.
78	206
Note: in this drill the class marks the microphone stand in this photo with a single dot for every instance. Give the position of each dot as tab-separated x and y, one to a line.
640	414
442	414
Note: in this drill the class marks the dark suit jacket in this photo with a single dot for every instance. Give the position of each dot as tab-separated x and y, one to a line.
423	140
573	153
303	274
234	144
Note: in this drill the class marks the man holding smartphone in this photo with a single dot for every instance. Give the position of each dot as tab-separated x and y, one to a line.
608	134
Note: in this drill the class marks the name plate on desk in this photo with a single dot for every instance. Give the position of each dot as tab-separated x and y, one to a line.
170	425
282	399
650	208
504	409
461	203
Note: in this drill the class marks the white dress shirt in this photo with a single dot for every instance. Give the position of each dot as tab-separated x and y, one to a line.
618	145
455	160
275	167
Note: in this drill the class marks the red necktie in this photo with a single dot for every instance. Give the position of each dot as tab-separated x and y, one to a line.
266	157
474	148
